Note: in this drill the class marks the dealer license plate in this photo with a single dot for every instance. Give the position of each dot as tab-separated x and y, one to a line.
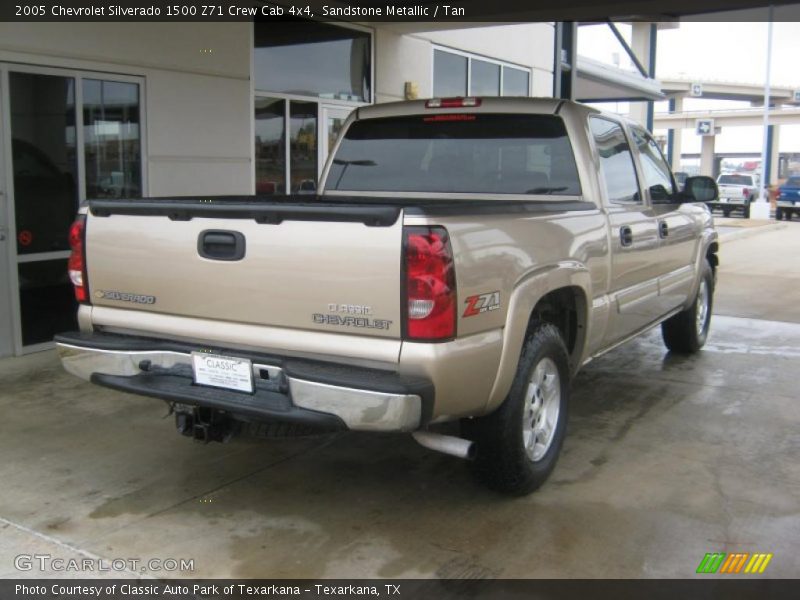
223	371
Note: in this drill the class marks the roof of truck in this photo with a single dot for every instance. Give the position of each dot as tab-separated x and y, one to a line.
485	105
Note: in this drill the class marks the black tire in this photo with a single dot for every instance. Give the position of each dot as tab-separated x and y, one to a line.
778	214
682	333
746	211
502	461
726	212
788	215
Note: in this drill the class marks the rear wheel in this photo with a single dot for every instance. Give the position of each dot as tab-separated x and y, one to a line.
788	215
778	214
518	444
686	332
746	210
726	212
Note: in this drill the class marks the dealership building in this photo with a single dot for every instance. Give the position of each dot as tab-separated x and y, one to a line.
106	110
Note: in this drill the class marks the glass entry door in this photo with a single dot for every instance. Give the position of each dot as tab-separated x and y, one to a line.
44	169
64	136
6	320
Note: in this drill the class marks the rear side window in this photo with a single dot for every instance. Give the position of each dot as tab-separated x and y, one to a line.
457	153
735	179
616	162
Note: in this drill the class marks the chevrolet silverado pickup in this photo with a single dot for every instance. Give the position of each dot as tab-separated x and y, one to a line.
737	191
462	260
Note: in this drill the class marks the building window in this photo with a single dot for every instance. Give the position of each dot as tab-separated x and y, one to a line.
449	74
485	80
461	74
111	139
516	82
308	58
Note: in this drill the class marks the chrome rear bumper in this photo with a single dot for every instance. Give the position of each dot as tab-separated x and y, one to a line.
363	399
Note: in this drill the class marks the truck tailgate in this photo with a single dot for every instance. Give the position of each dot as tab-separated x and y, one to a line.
311	266
731	191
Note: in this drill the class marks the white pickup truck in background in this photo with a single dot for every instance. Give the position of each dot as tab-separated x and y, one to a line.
736	192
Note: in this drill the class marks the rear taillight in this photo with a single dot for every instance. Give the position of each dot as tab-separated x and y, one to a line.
746	191
430	285
77	260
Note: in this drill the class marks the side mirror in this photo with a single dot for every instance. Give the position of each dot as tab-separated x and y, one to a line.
701	189
659	194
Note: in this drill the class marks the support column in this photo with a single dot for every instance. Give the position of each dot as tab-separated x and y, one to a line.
565	55
643	44
773	155
707	156
675	136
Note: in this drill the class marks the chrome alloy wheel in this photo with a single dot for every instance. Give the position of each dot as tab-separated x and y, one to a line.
702	307
540	409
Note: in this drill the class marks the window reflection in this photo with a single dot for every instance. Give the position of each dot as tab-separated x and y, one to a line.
303	145
313	59
112	144
270	146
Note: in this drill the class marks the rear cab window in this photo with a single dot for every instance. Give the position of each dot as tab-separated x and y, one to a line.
457	153
735	179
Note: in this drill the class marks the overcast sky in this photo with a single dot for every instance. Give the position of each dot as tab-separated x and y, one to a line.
729	51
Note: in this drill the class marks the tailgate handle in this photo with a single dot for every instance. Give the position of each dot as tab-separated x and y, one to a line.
216	244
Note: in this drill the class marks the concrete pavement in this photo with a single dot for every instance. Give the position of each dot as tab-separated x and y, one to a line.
666	458
759	277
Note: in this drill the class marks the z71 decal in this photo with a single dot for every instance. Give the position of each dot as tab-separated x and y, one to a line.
482	303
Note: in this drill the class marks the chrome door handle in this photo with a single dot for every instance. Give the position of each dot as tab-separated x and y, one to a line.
625	236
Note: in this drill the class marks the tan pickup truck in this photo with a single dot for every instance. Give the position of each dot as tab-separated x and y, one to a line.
463	259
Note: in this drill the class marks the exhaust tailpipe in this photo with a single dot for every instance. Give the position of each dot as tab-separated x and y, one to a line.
448	444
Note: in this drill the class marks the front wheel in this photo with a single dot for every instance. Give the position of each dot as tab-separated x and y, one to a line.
518	444
686	332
